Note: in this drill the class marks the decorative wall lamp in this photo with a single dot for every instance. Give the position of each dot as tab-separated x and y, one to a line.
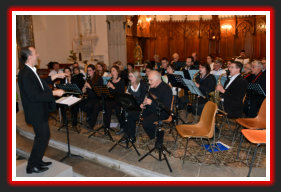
226	27
143	21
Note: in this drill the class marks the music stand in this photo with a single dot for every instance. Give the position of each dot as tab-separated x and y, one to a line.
194	90
176	81
70	88
255	89
159	136
127	102
105	80
192	73
103	92
59	102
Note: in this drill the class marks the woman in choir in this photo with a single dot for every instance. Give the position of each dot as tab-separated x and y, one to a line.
91	103
70	79
171	70
138	89
125	72
78	78
206	83
210	61
116	86
101	69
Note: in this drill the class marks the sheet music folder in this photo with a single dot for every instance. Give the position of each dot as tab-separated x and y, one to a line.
192	87
70	88
255	88
69	101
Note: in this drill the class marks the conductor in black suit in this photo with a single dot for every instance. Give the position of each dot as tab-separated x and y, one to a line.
37	100
234	91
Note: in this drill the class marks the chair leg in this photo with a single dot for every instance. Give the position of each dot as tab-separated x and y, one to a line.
234	134
250	148
213	152
252	161
185	151
238	151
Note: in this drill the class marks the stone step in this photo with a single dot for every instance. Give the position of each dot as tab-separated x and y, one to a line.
57	169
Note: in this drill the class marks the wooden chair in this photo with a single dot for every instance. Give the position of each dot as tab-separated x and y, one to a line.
257	137
204	129
259	122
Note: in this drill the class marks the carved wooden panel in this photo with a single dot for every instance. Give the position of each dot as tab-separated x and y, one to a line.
203	37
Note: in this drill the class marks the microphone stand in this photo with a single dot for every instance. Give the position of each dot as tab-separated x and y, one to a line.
159	137
125	136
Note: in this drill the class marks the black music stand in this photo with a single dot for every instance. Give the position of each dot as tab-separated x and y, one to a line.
255	89
103	92
176	81
127	102
67	135
159	136
70	88
194	90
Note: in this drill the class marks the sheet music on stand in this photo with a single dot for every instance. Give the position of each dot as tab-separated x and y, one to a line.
223	79
102	90
255	88
105	80
176	80
142	74
70	88
179	73
192	73
192	87
69	101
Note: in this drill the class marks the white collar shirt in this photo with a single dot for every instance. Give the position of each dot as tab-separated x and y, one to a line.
135	90
231	80
34	70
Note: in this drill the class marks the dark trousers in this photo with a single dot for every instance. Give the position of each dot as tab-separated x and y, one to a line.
107	106
133	117
147	123
40	143
74	113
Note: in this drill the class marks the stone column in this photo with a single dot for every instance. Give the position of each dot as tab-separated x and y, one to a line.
117	39
25	35
25	38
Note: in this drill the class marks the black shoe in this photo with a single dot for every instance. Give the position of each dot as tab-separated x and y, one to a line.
44	164
36	169
121	131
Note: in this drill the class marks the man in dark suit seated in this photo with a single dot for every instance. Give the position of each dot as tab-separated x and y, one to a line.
233	91
254	100
159	92
37	101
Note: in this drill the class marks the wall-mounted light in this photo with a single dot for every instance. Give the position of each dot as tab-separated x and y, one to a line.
226	26
148	19
143	21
